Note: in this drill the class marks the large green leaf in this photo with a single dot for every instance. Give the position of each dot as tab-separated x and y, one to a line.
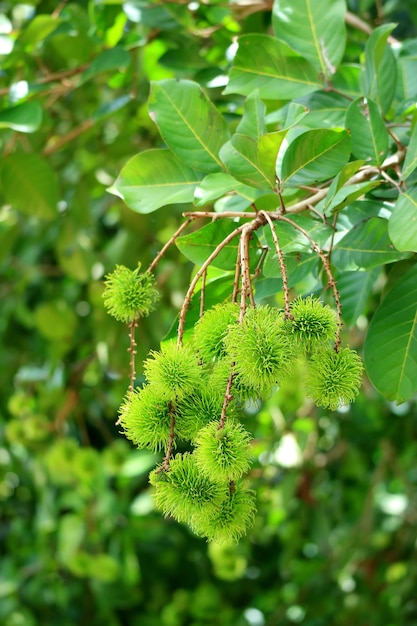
390	349
366	246
315	29
29	184
402	226
264	63
380	73
25	117
354	290
325	110
189	123
155	178
369	134
315	155
198	246
240	156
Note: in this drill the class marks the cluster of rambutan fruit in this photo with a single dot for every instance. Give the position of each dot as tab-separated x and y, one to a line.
195	393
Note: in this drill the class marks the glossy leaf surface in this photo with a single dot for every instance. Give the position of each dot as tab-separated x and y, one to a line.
153	179
391	343
189	123
315	29
264	63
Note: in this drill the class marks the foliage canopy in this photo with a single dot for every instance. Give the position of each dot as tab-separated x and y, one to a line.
285	132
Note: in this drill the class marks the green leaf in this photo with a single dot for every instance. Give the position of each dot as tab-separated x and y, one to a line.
38	30
262	62
354	289
240	156
390	349
410	161
25	117
325	110
380	74
214	186
366	246
153	179
315	155
268	148
402	226
368	131
300	267
199	245
252	123
108	60
292	240
189	123
30	185
316	30
349	193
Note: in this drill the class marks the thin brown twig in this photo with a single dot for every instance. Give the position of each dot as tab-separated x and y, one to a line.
169	243
191	288
282	266
331	281
227	397
203	291
237	277
168	454
245	271
56	144
365	173
133	352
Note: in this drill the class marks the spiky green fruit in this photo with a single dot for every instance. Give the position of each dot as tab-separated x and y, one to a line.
184	491
223	454
129	294
147	417
200	408
211	330
229	521
312	323
219	377
334	378
174	371
260	348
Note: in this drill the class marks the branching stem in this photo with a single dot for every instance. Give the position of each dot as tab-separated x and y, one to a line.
169	243
203	268
331	281
168	454
282	265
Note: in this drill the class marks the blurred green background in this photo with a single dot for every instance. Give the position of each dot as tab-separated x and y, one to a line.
80	543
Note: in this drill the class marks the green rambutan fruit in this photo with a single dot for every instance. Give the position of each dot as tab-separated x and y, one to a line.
128	294
146	415
212	328
312	323
219	378
201	407
174	371
223	454
334	378
229	521
183	490
261	350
